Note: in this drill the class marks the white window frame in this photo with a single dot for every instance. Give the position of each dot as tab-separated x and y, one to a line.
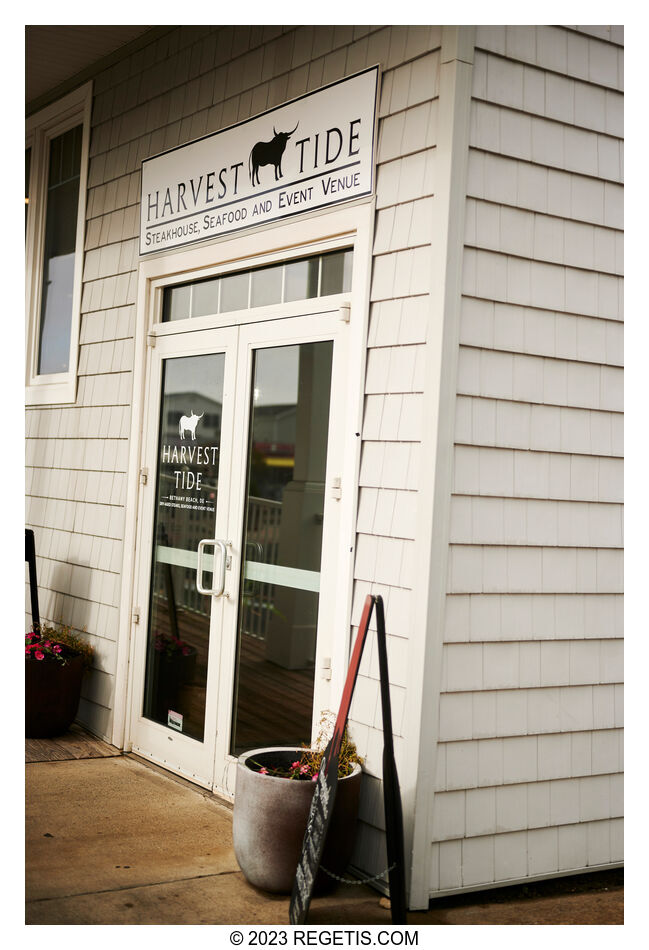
57	118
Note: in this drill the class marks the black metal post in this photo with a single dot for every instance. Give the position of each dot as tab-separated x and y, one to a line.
30	557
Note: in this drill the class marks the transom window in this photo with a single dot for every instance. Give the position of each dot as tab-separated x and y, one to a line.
278	283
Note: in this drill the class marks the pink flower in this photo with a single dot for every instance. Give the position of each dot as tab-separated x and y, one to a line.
47	644
57	647
39	655
28	650
263	771
314	778
304	769
295	765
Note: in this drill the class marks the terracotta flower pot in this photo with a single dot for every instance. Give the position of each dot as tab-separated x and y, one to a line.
270	818
52	693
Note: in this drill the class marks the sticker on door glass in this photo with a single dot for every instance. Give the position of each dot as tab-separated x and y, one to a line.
174	720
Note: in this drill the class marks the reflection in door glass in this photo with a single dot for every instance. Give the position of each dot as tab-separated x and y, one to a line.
278	608
186	494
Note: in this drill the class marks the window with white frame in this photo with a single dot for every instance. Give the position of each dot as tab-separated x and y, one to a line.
56	162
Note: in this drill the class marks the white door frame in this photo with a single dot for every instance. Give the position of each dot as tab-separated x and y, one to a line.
351	226
189	757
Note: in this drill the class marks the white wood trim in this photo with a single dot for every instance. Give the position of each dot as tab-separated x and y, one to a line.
318	232
354	401
422	703
121	734
282	311
41	128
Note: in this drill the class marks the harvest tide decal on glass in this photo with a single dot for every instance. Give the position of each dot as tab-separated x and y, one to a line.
187	464
309	153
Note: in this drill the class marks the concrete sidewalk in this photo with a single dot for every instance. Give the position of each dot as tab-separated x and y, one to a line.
115	841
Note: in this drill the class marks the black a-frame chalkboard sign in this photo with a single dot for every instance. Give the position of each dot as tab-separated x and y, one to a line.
325	791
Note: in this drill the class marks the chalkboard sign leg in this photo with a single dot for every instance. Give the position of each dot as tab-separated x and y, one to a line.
391	793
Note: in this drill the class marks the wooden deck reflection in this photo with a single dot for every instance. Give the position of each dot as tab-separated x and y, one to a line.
274	705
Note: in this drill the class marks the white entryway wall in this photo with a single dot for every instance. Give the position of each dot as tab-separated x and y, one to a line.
527	768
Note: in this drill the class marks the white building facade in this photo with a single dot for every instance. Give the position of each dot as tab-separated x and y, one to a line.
413	390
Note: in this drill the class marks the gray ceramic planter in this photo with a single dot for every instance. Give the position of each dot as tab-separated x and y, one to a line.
270	817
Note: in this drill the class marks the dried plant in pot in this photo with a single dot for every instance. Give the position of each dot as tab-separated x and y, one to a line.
273	794
55	661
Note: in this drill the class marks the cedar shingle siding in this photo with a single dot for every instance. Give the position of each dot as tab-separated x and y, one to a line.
530	750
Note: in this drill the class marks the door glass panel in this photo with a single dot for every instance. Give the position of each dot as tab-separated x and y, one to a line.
186	494
278	608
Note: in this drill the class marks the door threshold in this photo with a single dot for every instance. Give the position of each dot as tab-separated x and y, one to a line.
181	780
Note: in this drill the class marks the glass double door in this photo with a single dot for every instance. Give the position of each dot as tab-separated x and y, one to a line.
238	522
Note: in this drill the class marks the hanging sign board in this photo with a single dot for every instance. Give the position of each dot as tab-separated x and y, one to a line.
309	153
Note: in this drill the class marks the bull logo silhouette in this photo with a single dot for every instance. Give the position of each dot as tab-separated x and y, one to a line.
188	424
268	153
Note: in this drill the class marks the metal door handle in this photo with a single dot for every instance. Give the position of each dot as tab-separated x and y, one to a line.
214	591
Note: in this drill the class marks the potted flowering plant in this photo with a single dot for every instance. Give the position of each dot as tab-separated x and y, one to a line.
274	789
55	661
172	646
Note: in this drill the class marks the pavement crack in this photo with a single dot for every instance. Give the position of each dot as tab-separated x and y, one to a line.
129	887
